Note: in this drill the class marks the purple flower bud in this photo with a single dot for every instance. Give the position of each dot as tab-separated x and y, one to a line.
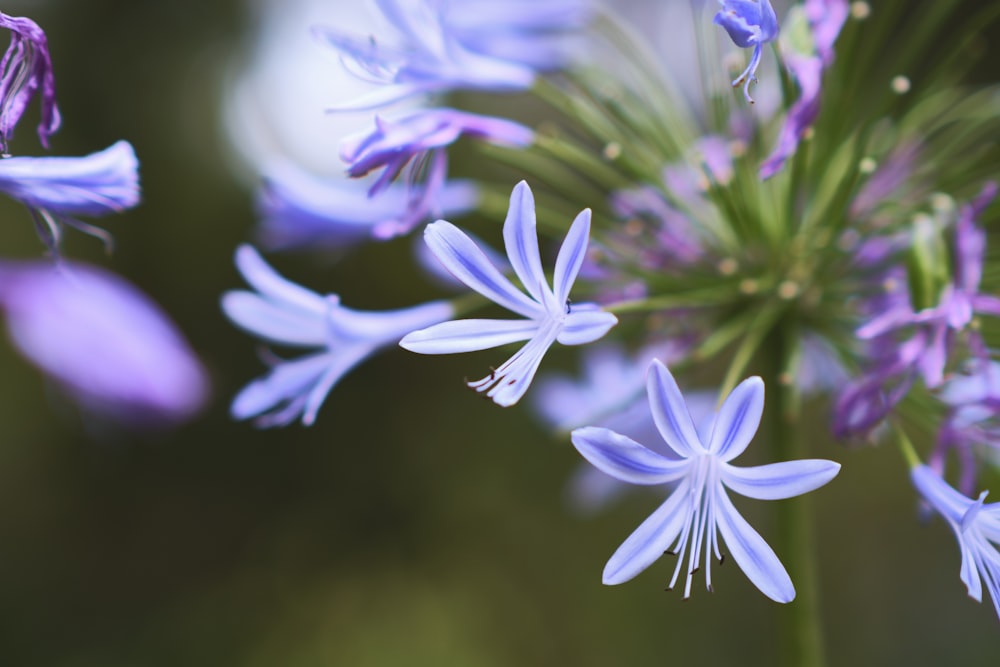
105	342
25	70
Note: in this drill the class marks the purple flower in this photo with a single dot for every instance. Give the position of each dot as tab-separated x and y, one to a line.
284	313
698	510
56	189
973	418
102	340
749	23
476	44
826	18
976	526
394	143
300	210
960	300
547	314
25	71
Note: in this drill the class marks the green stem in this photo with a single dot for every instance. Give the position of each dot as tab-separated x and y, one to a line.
801	629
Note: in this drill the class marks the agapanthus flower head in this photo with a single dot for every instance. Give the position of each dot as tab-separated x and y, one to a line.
442	51
58	189
698	510
548	315
976	525
105	342
339	338
749	23
26	71
299	210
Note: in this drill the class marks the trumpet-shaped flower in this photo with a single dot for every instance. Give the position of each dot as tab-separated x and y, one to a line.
976	526
105	342
56	189
749	23
548	316
284	313
698	510
26	71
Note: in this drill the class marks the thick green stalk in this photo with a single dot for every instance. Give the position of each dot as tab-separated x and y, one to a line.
800	626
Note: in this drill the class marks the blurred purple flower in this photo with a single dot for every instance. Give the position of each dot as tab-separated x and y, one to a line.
749	23
973	419
104	341
25	71
976	526
284	313
56	189
494	45
299	210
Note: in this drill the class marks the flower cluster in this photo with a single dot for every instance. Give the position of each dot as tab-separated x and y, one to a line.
98	337
815	242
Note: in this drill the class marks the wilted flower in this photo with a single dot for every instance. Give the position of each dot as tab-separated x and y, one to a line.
26	71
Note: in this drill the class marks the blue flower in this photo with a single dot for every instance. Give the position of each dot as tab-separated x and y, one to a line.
56	189
300	210
976	526
699	510
284	313
548	315
105	342
26	71
749	23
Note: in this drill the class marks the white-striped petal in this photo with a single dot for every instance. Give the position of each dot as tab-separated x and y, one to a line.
779	480
670	412
738	419
648	542
464	260
757	560
624	458
571	255
468	335
520	237
585	325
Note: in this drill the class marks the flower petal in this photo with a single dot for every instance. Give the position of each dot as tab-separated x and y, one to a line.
571	255
274	322
520	237
463	259
670	413
585	323
751	552
779	480
648	542
507	384
467	336
269	283
738	419
624	458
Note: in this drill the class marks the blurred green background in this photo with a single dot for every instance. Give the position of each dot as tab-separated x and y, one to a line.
414	524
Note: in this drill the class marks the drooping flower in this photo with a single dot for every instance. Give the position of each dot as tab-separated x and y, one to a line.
26	71
976	526
394	143
113	349
437	55
284	313
825	18
548	316
749	23
57	189
300	210
698	511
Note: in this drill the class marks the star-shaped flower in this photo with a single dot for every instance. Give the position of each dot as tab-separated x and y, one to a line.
548	316
976	526
698	510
